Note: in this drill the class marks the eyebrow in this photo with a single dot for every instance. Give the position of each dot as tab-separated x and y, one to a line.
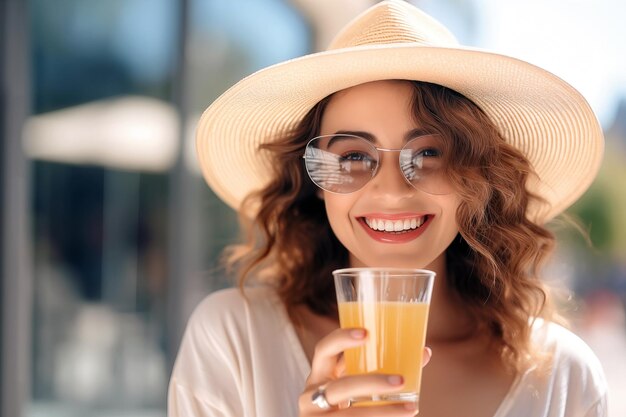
411	134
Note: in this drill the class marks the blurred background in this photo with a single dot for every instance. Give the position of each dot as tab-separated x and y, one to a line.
109	235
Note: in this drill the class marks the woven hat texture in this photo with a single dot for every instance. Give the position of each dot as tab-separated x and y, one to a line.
534	110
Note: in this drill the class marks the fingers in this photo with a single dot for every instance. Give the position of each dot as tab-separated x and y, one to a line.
342	390
339	392
328	360
428	353
328	352
327	371
340	369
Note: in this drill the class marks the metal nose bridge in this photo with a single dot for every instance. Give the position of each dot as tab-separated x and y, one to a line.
388	150
379	164
380	159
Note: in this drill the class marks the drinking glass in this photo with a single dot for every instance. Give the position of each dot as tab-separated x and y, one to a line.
392	305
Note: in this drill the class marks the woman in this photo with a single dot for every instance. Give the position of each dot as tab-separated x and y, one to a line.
441	157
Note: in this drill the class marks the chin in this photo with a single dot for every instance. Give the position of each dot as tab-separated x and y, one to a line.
395	261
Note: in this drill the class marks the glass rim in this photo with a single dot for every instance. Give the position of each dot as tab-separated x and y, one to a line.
319	177
372	144
396	272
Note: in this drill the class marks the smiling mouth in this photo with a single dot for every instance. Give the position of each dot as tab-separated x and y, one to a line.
395	226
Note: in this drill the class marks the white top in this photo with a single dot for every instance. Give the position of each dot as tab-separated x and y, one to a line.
243	358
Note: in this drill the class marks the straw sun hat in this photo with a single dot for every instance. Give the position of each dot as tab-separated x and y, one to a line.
537	112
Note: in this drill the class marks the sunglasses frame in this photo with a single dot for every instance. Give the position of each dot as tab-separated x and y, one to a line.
378	161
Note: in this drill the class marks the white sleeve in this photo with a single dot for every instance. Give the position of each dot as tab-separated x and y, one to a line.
598	409
183	402
579	380
568	382
205	378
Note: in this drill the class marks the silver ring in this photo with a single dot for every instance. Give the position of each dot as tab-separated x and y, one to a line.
319	398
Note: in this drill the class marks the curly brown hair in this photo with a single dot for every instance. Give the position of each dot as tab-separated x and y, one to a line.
492	264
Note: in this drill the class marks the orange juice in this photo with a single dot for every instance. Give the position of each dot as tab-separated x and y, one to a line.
396	336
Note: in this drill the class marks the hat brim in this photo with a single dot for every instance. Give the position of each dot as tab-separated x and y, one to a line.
534	110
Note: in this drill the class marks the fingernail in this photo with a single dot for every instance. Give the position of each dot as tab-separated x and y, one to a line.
357	333
395	380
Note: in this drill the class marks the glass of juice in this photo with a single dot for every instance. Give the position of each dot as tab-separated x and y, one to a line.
392	305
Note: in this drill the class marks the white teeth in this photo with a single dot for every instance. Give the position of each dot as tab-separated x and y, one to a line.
395	226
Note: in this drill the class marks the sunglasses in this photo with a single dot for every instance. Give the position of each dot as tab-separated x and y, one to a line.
344	163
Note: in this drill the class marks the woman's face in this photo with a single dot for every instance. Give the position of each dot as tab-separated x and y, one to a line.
382	110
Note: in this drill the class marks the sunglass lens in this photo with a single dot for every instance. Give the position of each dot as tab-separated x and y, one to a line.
340	163
422	163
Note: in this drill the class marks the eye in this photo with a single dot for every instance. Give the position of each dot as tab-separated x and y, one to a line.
355	156
425	147
428	153
356	162
426	158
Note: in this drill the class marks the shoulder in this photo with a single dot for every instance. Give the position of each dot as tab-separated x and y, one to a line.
236	297
565	346
233	307
575	372
220	329
214	360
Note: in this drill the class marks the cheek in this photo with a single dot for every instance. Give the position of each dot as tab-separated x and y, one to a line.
338	213
449	233
452	224
449	226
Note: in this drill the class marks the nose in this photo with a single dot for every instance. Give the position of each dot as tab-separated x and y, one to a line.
389	181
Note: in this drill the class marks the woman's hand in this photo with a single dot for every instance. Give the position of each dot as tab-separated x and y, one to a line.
327	372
